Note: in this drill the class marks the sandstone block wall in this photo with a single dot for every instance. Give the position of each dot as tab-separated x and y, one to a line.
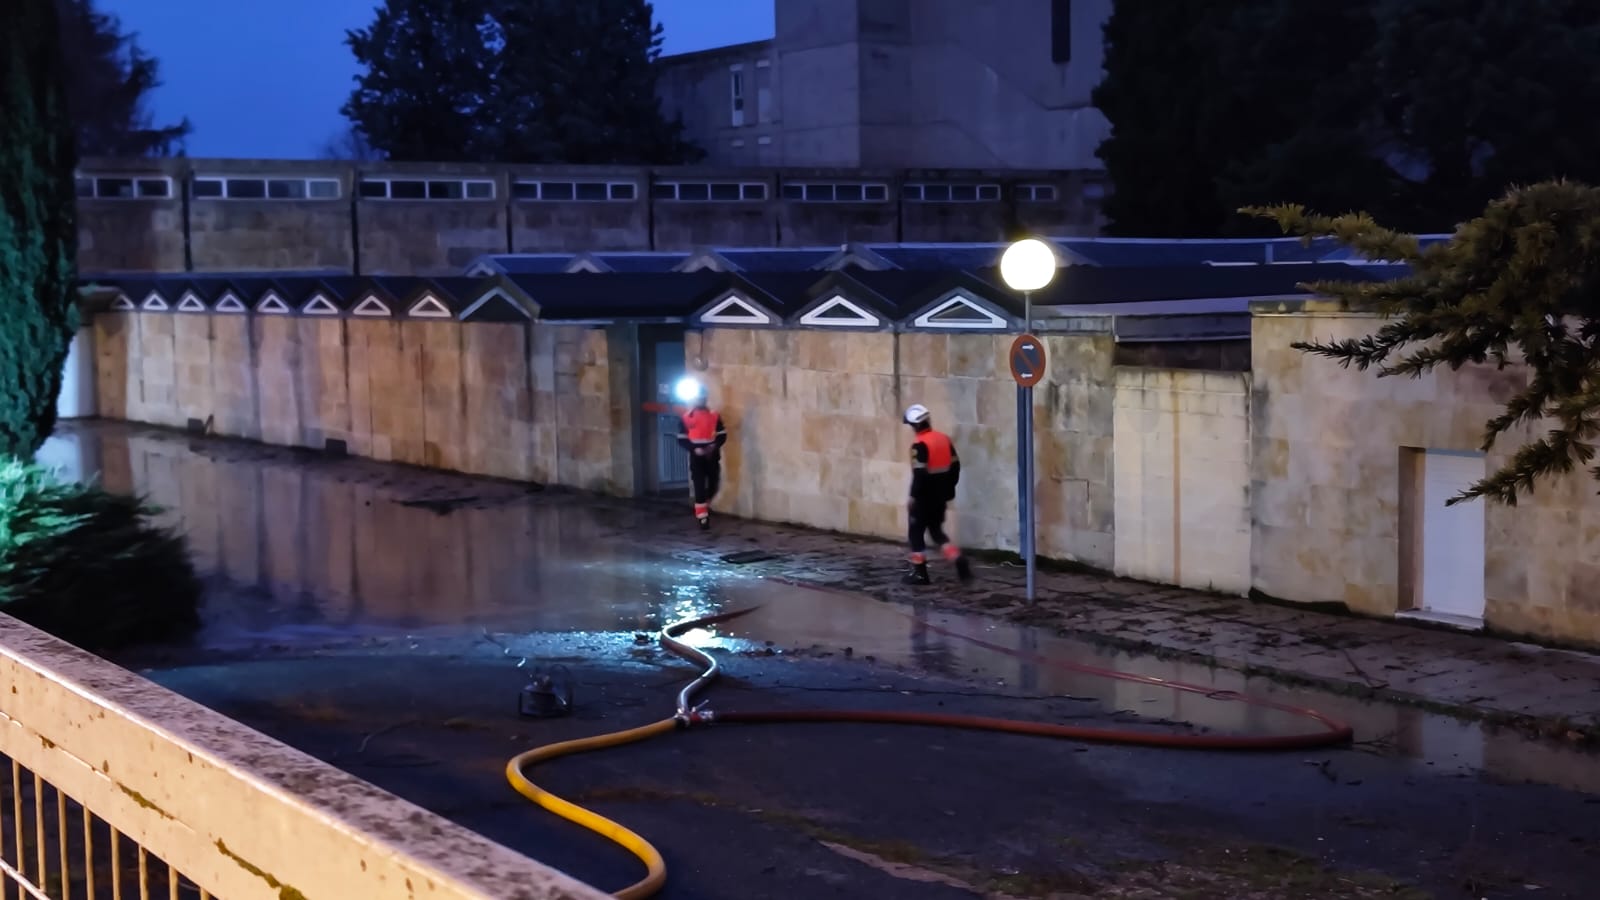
818	438
544	403
1183	478
1325	484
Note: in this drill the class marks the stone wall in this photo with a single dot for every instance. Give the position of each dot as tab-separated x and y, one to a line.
1326	483
1183	477
543	403
818	438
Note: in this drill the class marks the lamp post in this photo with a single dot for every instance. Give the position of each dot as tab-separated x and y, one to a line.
1027	266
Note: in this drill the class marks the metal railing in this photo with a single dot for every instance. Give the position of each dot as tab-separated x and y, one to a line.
53	847
113	788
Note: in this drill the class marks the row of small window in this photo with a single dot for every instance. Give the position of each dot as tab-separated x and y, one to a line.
551	191
114	188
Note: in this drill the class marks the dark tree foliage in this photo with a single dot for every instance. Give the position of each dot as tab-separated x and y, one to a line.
38	229
1162	156
428	89
523	81
1518	285
349	144
1417	111
1482	94
108	80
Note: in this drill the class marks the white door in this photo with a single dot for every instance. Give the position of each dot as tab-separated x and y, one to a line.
1452	536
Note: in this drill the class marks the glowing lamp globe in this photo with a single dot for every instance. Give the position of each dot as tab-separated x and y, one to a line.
1028	265
687	390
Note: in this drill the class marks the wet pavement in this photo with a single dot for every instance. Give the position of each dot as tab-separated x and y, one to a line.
385	618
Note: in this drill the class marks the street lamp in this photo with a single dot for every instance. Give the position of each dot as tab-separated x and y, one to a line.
1027	266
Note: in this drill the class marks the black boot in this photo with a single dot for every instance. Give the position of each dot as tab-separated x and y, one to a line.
963	570
917	575
705	523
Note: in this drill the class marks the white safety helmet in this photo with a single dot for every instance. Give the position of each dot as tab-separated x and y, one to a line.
916	414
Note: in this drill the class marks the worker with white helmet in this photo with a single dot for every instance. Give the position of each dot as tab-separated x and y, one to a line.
702	435
935	470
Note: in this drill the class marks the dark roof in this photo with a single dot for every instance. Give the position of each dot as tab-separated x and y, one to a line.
342	291
620	295
796	259
1087	285
781	292
532	263
456	292
1151	252
897	293
640	262
940	257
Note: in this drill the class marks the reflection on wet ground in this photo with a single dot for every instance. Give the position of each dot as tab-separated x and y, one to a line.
306	552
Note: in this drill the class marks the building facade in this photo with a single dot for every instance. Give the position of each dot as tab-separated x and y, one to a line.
220	215
984	84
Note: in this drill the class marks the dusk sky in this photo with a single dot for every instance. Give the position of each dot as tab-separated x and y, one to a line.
266	78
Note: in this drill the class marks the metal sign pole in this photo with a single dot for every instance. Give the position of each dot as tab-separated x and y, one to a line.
1025	455
1027	485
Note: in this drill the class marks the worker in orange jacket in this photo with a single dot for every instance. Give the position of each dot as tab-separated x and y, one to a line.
702	435
935	470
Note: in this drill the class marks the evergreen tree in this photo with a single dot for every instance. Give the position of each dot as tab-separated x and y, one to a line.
1480	94
521	81
1517	286
1418	111
108	80
38	231
428	90
1160	81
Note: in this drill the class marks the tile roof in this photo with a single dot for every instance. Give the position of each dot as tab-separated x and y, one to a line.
620	295
1083	285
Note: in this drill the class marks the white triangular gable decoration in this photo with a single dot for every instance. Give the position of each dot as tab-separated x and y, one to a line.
123	303
482	270
370	305
155	303
735	310
319	305
848	260
584	264
856	318
230	303
490	297
191	303
429	307
703	262
974	315
272	304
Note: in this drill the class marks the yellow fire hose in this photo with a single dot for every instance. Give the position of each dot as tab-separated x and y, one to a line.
1331	732
572	812
656	876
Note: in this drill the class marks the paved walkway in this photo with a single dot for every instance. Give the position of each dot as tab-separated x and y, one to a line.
1555	692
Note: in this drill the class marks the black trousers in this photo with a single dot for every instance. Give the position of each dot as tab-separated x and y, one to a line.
705	474
927	518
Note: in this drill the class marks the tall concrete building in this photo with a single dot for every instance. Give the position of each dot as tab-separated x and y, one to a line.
902	84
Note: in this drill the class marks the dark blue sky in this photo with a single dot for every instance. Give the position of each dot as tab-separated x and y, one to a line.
266	78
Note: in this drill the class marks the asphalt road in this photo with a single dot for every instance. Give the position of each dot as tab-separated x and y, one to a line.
892	812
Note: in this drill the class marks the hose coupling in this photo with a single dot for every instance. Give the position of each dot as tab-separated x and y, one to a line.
693	716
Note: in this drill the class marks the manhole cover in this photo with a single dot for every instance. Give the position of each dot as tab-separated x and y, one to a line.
748	556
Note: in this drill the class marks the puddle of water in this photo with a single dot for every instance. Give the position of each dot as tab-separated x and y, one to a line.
305	552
